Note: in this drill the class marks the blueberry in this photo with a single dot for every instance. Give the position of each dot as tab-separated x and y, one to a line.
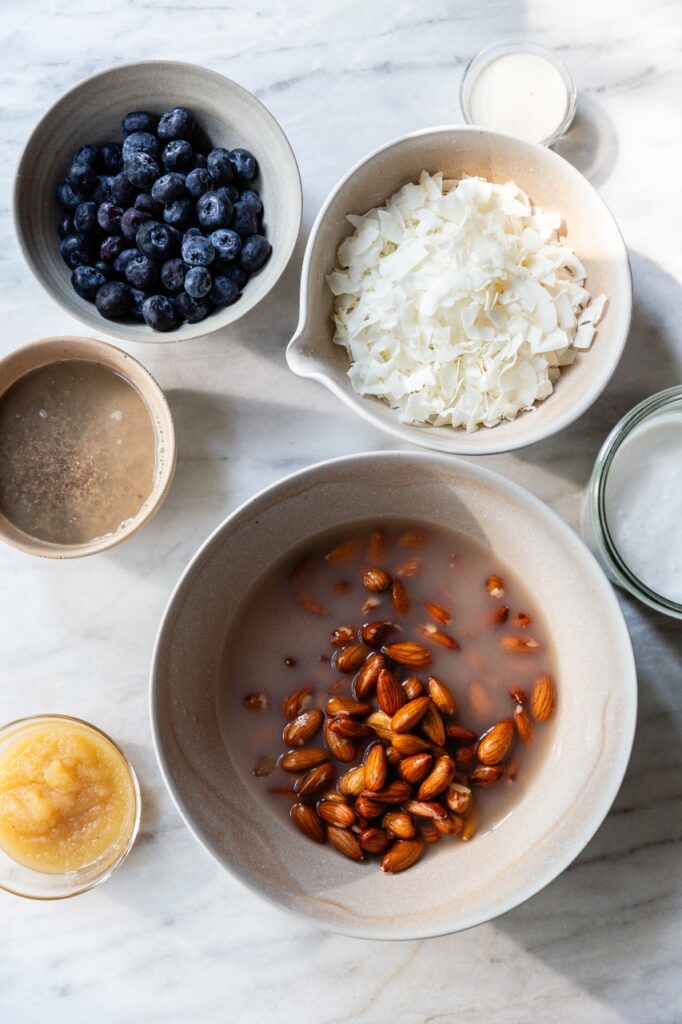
113	300
141	142
131	222
244	163
139	121
141	169
220	166
178	156
244	220
226	243
138	299
87	155
177	123
197	251
86	282
112	157
192	232
169	187
122	191
233	271
156	240
224	292
109	218
144	201
198	282
173	274
103	192
105	269
141	272
191	310
81	177
123	259
213	211
77	250
159	313
176	237
229	192
178	213
255	252
111	247
200	160
198	181
85	219
65	226
67	197
251	198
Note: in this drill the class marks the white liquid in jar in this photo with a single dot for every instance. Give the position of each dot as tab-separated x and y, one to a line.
520	94
643	503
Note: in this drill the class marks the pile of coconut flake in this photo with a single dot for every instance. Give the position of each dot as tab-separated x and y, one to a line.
458	303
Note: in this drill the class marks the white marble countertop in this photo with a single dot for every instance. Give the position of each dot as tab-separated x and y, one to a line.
172	938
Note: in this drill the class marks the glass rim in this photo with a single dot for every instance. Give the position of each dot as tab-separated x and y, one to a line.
137	813
597	505
511	44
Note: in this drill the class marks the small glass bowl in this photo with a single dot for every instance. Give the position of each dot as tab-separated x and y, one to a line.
595	524
517	44
23	881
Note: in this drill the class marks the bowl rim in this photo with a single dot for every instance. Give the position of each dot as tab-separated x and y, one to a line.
597	809
364	406
106	349
189	331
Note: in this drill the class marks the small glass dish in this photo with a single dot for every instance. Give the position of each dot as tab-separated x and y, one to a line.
21	880
595	522
514	44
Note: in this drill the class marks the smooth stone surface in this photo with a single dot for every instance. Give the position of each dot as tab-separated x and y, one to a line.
172	938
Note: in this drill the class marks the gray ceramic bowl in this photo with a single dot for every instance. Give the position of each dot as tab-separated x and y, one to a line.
456	885
553	184
92	112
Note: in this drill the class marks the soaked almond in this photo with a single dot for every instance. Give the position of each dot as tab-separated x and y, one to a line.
256	702
342	636
302	728
438	612
543	699
376	580
307	821
400	598
366	679
413	687
297	700
376	548
343	552
311	604
409	568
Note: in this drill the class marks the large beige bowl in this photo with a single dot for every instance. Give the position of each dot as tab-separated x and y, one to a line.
92	112
457	885
552	184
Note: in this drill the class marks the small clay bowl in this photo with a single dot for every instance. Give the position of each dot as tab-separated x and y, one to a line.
55	350
92	112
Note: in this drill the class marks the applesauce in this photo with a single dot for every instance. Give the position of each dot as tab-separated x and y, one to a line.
67	797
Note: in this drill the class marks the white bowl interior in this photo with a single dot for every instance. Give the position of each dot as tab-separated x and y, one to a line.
553	184
92	112
458	884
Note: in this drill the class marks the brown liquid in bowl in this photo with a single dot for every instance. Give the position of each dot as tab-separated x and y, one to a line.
77	452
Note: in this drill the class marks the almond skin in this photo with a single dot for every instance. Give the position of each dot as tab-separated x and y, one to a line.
376	580
347	706
257	702
373	840
294	704
520	644
464	755
335	813
470	825
375	768
428	831
543	699
402	855
407	744
302	728
458	798
372	632
342	636
304	759
522	620
306	820
345	842
450	826
316	779
495	586
394	793
390	693
341	747
400	598
432	725
413	687
439	779
350	658
425	809
442	696
368	808
496	743
415	768
499	615
353	782
486	774
346	725
459	733
523	724
399	824
438	612
410	714
408	653
381	723
440	637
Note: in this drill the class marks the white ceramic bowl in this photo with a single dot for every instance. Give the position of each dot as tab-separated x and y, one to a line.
553	184
457	885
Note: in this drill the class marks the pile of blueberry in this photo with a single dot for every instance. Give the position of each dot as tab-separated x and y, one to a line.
164	228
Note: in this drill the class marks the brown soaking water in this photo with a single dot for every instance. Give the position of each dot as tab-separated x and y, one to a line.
280	641
77	452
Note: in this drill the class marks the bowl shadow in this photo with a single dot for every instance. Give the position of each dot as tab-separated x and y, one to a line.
591	143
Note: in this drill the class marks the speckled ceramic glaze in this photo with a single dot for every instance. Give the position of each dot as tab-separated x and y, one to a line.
457	885
54	350
92	112
553	184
